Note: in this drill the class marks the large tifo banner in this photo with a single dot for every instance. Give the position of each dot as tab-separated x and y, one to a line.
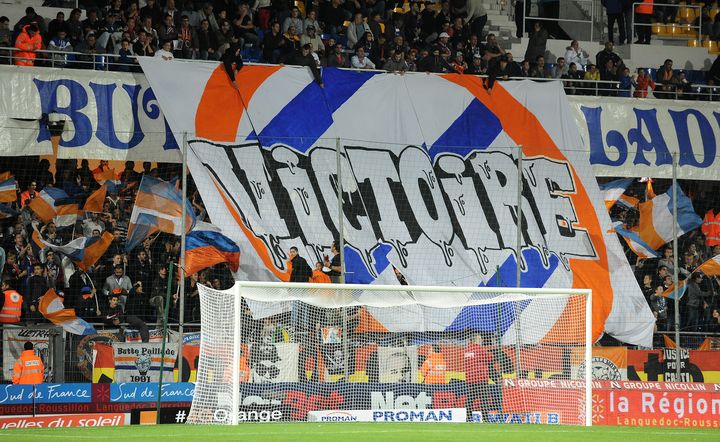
629	137
108	115
429	174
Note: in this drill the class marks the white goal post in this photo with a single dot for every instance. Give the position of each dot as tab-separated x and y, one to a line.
282	351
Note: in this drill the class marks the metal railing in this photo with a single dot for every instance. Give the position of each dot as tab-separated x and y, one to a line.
697	8
107	62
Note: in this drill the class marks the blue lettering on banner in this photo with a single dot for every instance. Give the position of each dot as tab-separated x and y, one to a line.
82	393
516	418
147	392
105	96
611	147
413	416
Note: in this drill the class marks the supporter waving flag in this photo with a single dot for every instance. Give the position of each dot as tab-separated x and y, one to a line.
711	267
635	242
158	208
614	190
656	218
83	251
47	208
8	188
108	178
51	306
95	201
207	246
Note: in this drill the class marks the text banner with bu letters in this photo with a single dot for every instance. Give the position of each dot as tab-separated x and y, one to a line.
108	115
431	191
636	138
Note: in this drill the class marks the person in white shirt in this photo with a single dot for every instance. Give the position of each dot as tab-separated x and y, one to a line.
576	55
360	61
166	51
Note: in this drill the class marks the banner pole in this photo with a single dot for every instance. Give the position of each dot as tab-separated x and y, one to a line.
341	247
181	269
518	254
164	340
676	280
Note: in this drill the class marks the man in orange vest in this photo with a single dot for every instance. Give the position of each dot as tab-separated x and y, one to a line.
28	42
711	228
10	304
434	369
29	368
643	17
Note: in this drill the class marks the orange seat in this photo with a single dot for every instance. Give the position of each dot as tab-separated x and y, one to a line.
686	14
713	12
674	29
658	28
693	44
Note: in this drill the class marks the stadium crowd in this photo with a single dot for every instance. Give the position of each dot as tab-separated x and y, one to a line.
361	34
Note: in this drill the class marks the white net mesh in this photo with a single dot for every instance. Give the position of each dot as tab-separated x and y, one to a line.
337	352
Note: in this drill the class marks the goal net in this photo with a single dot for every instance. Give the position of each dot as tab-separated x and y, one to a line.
331	352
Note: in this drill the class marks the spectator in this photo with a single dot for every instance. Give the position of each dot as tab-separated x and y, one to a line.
477	67
606	54
118	280
537	42
126	62
607	75
311	38
435	63
311	20
244	27
151	10
713	75
206	13
356	30
30	17
291	43
143	46
500	71
524	70
697	302
538	70
28	43
113	314
492	50
11	303
337	57
560	69
207	42
60	43
397	63
592	75
301	271
89	49
666	81
273	44
683	88
93	223
57	24
360	61
304	58
75	29
614	10
37	287
643	82
188	38
626	82
167	31
334	15
318	276
294	20
576	55
643	17
29	194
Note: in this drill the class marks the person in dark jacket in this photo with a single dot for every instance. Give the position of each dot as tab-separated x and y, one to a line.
537	43
232	60
501	71
304	58
301	271
435	63
614	10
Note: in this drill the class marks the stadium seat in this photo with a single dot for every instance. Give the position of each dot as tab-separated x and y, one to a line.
713	12
686	14
693	43
658	28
